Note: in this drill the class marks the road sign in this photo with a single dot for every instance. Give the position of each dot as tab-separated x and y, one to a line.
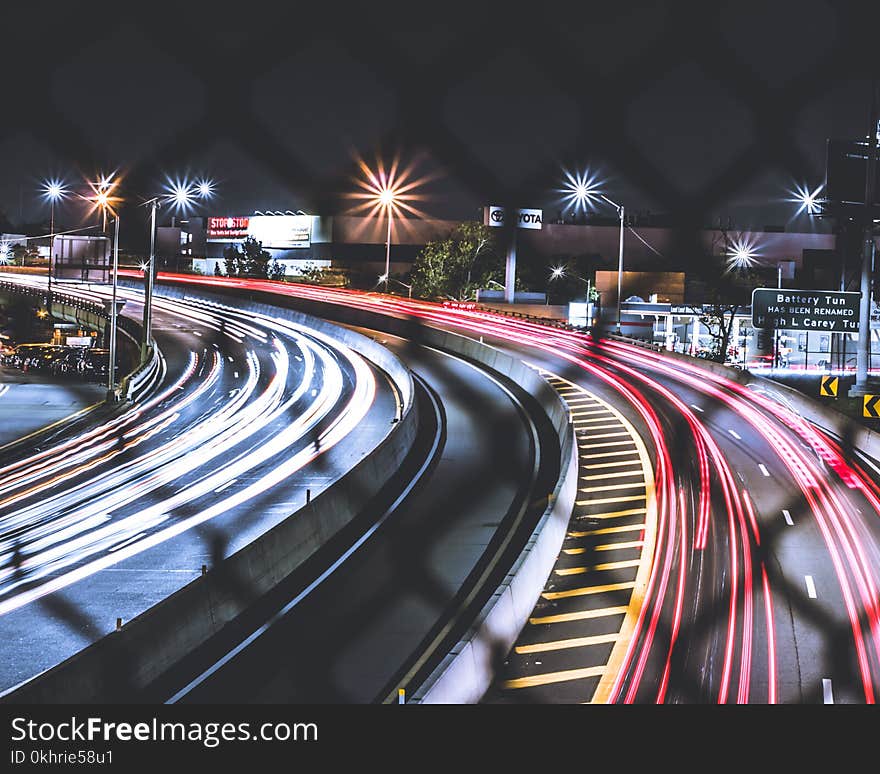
805	310
828	388
871	409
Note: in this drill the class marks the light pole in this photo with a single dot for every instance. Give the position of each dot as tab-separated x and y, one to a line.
581	190
862	385
101	197
111	376
180	195
620	214
52	190
386	199
562	271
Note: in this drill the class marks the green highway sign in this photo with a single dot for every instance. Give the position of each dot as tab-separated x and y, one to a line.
805	310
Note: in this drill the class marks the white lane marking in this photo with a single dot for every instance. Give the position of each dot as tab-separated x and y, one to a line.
695	406
827	695
811	587
787	518
735	434
226	485
764	470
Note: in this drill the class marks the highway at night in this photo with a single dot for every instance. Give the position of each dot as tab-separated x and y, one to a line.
722	549
763	583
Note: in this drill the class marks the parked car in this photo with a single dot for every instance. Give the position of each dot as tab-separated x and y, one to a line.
44	359
95	364
67	362
27	355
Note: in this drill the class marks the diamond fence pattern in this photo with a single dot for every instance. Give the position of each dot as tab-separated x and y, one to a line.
498	101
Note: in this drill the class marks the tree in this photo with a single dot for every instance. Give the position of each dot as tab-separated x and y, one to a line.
277	270
256	259
456	266
725	296
231	257
248	260
22	254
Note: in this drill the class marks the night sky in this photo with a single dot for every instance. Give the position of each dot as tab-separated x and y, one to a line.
699	112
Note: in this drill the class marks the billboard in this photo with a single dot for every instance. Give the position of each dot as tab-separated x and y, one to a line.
280	232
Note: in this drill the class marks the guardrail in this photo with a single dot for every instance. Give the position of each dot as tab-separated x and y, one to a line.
143	378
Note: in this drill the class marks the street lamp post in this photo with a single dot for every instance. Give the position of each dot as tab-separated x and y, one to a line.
386	198
180	195
582	189
561	271
111	376
148	291
620	214
53	190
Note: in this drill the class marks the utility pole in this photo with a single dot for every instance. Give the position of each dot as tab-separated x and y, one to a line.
862	384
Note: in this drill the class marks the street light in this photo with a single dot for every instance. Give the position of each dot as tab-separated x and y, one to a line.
180	195
101	197
53	190
559	272
583	190
389	192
